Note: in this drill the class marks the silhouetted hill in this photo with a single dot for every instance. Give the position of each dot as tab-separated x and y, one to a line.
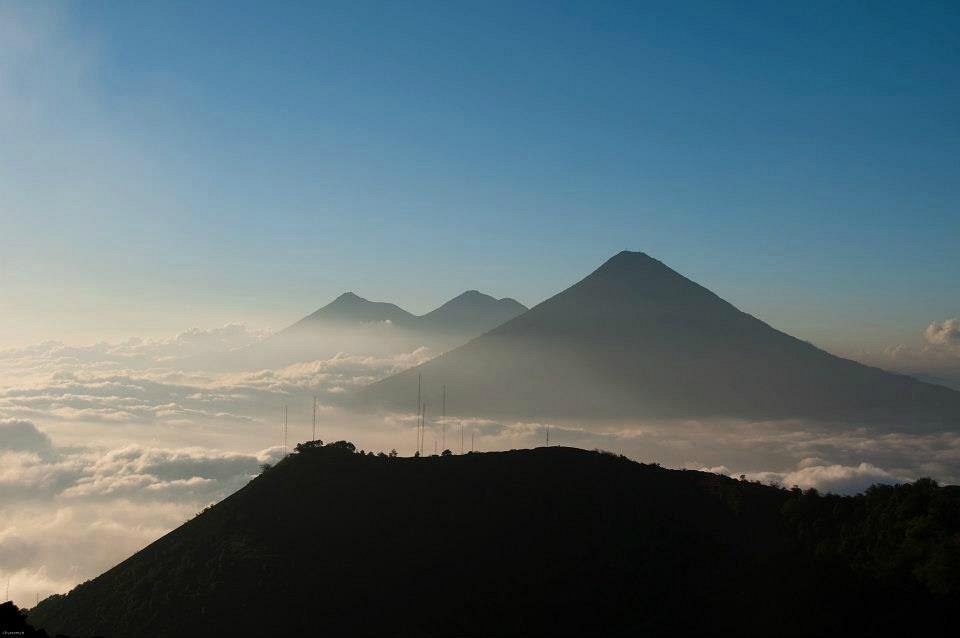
545	542
636	339
356	325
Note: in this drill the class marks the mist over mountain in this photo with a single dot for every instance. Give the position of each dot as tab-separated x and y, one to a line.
551	542
635	339
356	325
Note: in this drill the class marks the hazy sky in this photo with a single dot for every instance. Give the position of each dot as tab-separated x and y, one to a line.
170	165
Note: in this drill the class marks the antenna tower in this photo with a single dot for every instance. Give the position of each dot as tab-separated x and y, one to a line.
443	423
423	429
419	380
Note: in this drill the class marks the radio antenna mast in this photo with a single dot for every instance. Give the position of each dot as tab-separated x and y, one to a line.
443	425
284	430
423	430
419	380
314	418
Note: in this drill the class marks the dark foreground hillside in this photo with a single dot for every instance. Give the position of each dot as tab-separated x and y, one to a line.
13	622
551	542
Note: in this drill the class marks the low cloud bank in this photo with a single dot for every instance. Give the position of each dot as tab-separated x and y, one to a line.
838	479
98	384
106	447
69	513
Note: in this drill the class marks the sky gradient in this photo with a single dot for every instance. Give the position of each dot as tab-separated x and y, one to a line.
170	166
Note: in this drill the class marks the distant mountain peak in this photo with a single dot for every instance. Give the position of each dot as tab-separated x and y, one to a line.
467	315
627	262
631	254
477	297
637	278
352	308
470	295
473	310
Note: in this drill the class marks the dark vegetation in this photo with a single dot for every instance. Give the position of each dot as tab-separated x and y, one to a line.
904	537
13	622
551	542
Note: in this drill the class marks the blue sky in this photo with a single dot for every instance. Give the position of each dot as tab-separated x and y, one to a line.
171	165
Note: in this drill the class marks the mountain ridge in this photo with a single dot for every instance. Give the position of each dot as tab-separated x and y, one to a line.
350	323
350	307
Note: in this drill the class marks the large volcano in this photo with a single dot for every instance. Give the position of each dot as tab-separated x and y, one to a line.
635	339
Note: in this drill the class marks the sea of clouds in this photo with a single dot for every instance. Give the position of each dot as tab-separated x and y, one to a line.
105	447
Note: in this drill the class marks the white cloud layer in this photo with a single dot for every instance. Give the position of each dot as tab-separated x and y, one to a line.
70	513
838	479
105	447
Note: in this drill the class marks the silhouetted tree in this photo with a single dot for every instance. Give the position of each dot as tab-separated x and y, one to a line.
904	536
344	446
